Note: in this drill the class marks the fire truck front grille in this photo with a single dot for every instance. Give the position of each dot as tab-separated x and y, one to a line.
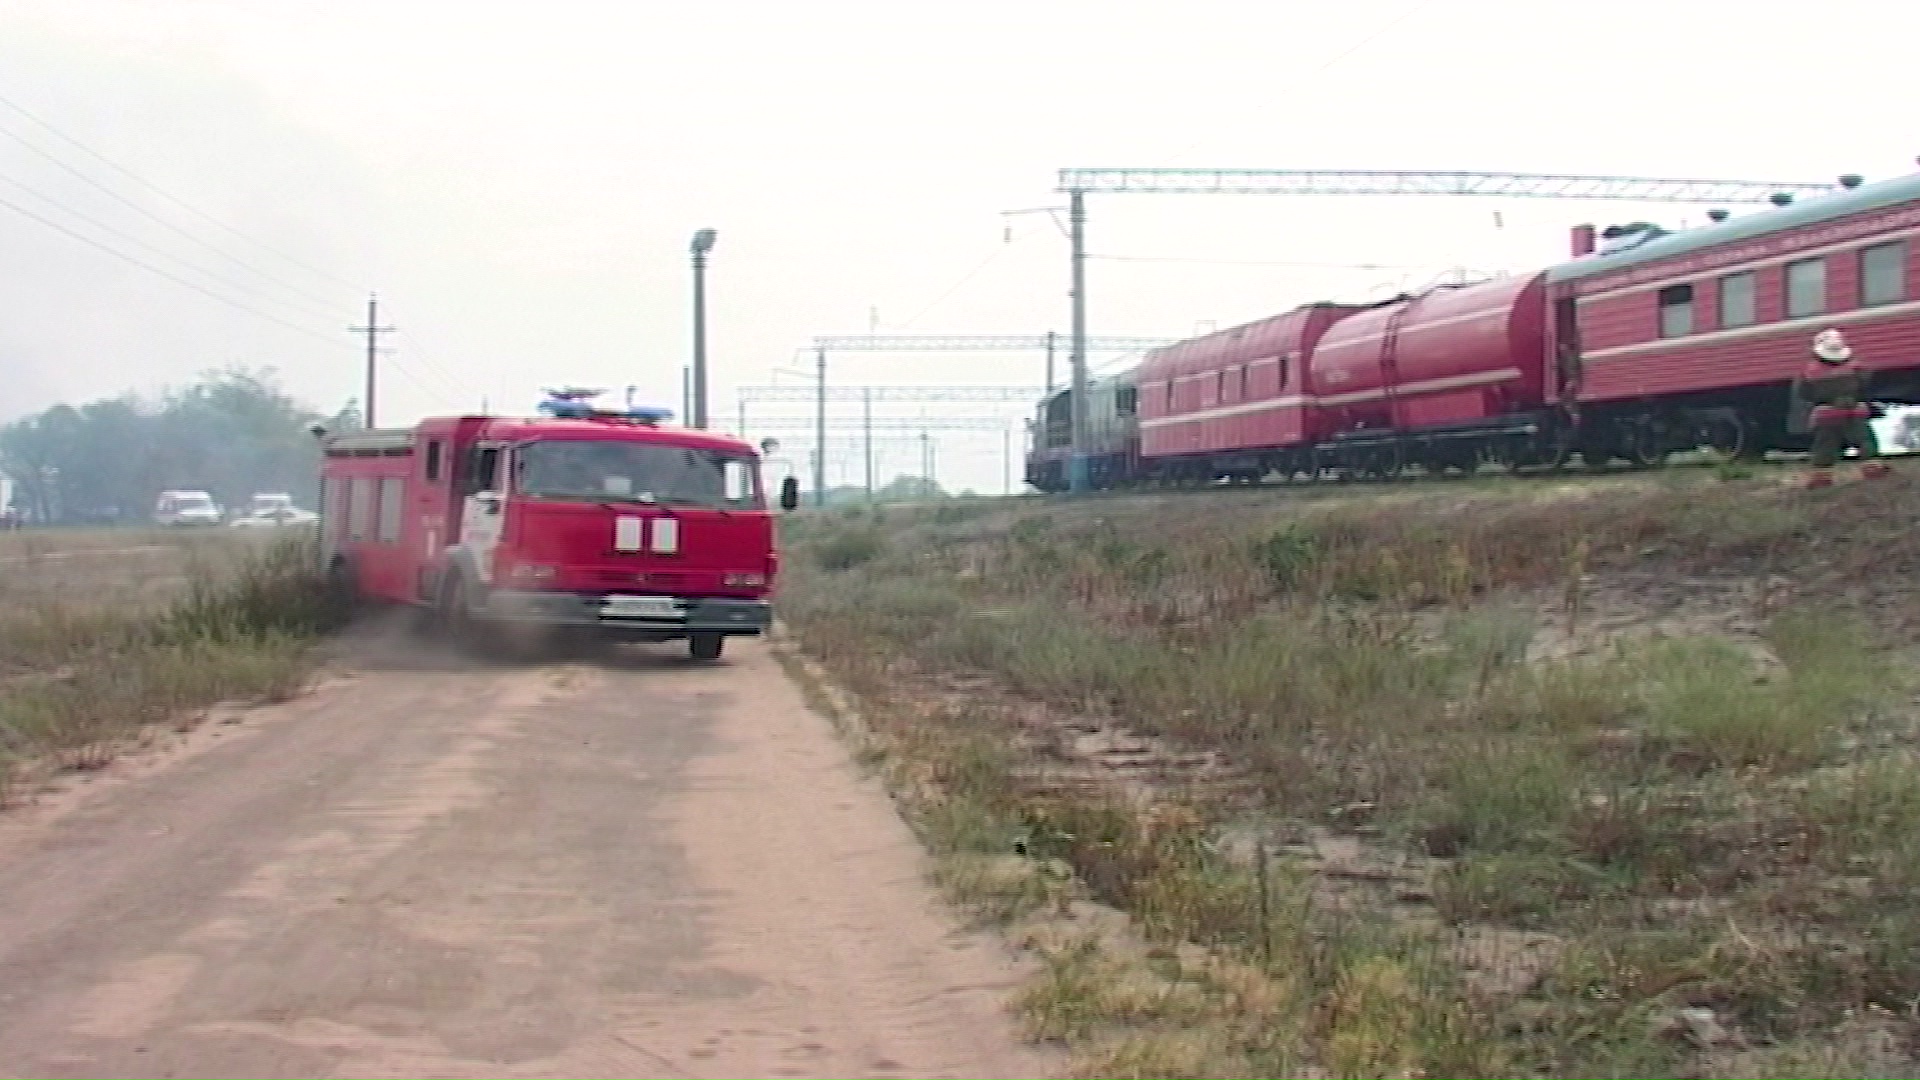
616	577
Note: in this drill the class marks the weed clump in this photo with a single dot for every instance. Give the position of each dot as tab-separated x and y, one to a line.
84	679
1487	705
849	547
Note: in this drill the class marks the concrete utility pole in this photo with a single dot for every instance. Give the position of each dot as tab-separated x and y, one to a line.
1006	459
820	430
702	243
373	330
866	423
1077	479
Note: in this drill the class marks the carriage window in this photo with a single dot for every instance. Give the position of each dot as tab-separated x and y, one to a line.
433	461
1676	311
1806	288
1220	387
1883	274
1127	401
1243	382
1736	300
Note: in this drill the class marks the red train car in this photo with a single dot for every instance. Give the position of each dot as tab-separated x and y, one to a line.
1442	379
1662	342
1236	403
1709	325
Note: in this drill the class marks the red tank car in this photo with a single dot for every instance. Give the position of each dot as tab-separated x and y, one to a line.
1445	379
1233	403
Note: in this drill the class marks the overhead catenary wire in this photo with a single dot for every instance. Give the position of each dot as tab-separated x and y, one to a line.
998	251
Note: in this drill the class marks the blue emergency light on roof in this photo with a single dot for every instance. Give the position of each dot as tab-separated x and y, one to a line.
572	403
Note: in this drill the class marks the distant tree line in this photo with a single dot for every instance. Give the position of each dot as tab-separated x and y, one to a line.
230	433
902	489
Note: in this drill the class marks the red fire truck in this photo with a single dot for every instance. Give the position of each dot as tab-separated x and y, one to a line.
579	519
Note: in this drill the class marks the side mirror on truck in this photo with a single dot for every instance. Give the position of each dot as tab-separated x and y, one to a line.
789	493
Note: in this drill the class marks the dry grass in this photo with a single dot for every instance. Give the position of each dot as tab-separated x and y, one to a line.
104	632
1486	857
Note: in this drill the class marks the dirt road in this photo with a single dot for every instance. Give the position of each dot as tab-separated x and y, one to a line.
630	867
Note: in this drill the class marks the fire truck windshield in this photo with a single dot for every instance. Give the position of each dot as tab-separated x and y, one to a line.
608	470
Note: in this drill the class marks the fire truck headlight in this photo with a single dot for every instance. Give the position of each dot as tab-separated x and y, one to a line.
745	581
530	572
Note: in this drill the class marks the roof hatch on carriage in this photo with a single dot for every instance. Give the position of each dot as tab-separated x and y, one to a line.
1617	238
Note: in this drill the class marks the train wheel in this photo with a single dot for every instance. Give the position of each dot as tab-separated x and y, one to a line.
1726	431
1643	445
1550	455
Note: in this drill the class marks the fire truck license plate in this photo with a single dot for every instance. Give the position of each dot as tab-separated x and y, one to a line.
640	607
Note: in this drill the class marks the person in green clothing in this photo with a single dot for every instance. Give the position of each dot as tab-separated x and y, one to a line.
1836	388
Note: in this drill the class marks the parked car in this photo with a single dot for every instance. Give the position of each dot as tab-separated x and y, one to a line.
186	508
273	510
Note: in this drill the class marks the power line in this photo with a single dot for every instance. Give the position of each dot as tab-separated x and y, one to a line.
432	366
149	185
136	241
195	286
170	226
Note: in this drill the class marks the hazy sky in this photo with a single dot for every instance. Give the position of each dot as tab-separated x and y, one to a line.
519	181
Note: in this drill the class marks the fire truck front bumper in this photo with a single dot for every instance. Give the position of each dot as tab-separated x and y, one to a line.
657	618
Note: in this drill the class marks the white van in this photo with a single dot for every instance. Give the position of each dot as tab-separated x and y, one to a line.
185	508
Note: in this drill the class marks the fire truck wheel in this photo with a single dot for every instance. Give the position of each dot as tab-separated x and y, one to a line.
706	646
462	628
341	591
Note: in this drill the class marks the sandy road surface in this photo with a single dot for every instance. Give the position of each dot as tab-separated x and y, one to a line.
632	867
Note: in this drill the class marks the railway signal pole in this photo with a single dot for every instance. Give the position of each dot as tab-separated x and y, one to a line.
1076	183
373	330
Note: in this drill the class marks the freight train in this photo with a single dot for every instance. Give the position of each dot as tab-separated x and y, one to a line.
1645	343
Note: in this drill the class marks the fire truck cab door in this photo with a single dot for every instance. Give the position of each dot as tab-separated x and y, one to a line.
483	508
